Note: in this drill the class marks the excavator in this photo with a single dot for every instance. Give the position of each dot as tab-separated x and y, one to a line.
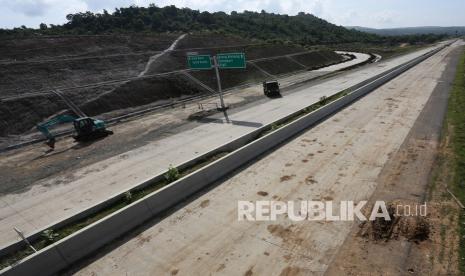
86	128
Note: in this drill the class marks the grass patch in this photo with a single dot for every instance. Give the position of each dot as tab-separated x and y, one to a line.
455	161
443	231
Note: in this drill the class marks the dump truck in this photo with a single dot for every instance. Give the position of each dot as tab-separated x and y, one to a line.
271	89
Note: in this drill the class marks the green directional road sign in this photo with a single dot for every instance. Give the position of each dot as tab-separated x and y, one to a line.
231	60
199	62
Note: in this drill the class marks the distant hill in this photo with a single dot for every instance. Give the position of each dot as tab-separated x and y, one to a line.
302	28
458	30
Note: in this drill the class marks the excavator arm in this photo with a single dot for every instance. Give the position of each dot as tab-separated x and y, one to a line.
44	127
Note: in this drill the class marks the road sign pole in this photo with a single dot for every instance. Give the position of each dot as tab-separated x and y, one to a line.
224	61
220	92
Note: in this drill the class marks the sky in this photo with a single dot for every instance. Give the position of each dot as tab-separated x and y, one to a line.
366	13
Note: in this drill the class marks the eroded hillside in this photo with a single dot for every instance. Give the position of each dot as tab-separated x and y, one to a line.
102	74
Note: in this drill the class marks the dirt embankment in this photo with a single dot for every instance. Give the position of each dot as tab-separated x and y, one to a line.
34	64
177	60
212	40
20	78
286	65
318	59
55	47
413	228
51	62
19	116
142	92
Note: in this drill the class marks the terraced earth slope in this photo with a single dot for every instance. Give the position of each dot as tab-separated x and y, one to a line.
99	72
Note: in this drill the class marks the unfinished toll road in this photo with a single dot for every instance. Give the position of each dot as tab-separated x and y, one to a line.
340	159
34	181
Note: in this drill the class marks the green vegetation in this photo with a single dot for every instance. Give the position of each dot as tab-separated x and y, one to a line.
275	126
455	123
302	28
128	196
172	174
456	120
323	100
49	236
449	171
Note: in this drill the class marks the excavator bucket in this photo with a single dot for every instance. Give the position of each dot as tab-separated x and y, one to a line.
51	143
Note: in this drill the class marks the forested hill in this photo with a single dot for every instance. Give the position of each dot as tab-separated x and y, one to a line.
302	28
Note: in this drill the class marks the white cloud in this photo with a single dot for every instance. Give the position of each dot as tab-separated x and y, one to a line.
36	8
377	19
32	12
110	5
27	7
349	18
384	18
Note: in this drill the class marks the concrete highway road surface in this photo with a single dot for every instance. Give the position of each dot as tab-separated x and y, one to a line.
339	159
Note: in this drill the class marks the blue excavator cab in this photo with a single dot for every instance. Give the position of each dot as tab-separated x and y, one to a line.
86	128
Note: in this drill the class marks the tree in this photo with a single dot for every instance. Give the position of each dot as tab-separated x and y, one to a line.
138	24
305	29
156	21
206	18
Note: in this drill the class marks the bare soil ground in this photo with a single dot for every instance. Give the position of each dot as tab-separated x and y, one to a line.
286	65
405	179
142	92
68	61
316	59
176	60
212	40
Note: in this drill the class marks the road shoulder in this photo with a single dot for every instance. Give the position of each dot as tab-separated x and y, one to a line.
405	178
